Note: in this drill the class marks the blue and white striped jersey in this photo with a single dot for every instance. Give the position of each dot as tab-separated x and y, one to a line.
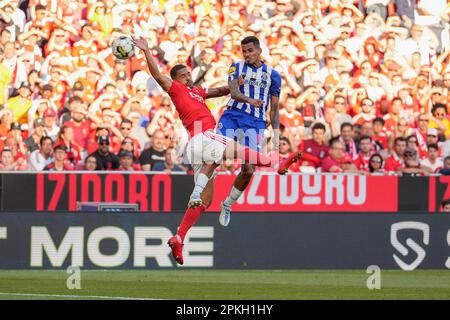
259	83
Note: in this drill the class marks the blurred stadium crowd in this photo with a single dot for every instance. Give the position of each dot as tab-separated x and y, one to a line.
365	82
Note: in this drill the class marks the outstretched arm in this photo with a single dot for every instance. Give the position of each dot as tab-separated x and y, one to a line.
218	92
164	81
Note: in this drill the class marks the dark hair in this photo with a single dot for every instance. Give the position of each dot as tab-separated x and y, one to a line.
380	120
42	140
75	99
346	124
445	202
290	96
433	146
437	106
175	69
365	122
397	99
446	158
126	120
251	39
333	141
375	155
338	96
39	7
6	149
319	126
399	139
365	138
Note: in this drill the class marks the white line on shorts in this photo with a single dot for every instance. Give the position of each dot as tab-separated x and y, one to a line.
69	296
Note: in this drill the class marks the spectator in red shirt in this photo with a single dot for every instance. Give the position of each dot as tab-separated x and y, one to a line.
290	118
332	163
396	160
365	146
317	145
368	130
380	133
60	163
391	119
8	163
66	139
421	134
367	112
80	125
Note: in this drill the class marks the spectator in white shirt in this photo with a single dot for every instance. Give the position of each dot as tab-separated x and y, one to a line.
433	161
38	159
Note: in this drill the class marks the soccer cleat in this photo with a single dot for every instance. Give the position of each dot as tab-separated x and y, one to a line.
195	201
224	217
177	248
293	158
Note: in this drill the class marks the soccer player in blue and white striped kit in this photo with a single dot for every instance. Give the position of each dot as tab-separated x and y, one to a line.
253	87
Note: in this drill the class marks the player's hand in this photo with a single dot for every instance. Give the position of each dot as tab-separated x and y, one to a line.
256	102
276	139
141	43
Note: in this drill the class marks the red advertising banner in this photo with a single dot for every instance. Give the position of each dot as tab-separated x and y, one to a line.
294	193
59	191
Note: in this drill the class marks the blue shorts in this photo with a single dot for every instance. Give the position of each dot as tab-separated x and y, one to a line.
244	129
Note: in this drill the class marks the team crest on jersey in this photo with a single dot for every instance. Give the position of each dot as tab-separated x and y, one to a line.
231	70
264	76
219	125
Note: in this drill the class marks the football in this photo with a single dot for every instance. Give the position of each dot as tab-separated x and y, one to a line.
123	47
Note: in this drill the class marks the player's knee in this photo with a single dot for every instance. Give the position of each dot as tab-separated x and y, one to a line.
248	171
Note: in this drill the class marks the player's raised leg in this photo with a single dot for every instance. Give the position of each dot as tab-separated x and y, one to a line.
190	217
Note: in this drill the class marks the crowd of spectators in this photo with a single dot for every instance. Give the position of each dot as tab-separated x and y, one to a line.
365	83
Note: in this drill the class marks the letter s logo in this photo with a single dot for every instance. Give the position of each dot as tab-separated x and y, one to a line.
395	228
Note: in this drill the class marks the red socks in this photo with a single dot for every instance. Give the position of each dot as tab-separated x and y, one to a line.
189	219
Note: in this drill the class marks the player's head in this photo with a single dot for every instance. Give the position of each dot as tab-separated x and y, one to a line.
251	49
181	74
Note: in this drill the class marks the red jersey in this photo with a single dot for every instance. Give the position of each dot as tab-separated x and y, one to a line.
190	104
382	138
394	162
81	132
318	150
362	163
328	163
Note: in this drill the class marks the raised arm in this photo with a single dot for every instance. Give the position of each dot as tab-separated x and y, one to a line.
164	81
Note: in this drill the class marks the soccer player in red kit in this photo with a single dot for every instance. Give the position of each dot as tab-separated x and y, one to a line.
205	149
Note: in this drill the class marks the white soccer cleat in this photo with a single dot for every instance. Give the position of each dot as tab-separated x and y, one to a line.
224	217
195	201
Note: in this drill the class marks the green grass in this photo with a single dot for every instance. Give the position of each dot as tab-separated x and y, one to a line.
229	284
